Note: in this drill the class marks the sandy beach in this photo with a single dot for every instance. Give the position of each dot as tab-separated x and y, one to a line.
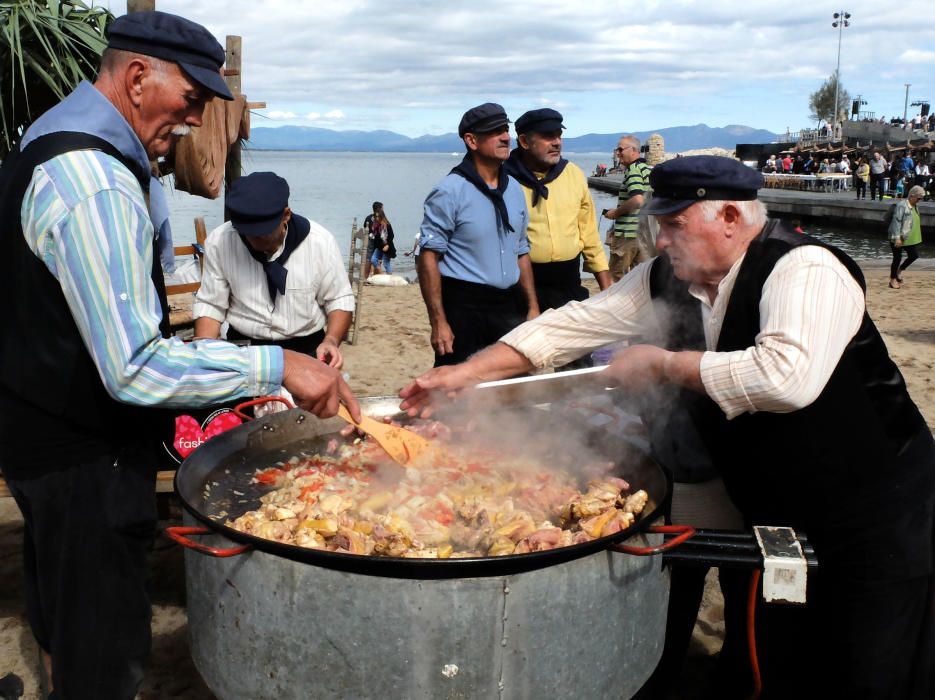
392	347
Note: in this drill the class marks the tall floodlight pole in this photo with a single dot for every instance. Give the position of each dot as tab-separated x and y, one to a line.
906	105
840	21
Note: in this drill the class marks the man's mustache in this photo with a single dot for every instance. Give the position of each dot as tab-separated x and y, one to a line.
182	130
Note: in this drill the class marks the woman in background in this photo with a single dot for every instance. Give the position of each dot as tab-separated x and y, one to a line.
905	234
383	249
861	178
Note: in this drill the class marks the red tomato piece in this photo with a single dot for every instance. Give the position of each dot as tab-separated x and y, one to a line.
270	476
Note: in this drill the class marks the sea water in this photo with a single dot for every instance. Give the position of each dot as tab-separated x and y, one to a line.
334	189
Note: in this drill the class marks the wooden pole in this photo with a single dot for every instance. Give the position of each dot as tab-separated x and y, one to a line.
232	67
141	5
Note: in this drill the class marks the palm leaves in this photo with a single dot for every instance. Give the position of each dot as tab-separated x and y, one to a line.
46	48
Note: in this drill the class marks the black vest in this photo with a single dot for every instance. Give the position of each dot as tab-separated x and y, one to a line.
54	408
859	455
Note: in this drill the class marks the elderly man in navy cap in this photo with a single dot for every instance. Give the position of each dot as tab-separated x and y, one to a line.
274	276
474	267
805	415
87	367
562	224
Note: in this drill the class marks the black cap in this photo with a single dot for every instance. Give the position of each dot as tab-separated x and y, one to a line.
482	118
173	38
542	121
256	203
680	182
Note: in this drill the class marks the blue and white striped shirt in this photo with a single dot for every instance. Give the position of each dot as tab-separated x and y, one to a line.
84	215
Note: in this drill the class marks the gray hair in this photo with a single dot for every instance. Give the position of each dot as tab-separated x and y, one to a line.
114	59
916	191
753	211
632	140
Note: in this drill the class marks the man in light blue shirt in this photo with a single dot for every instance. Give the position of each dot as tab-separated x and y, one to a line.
474	267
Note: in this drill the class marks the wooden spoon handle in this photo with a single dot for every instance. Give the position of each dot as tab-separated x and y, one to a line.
346	415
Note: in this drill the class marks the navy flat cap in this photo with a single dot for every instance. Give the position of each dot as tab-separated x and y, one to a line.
483	118
680	182
173	38
543	121
256	203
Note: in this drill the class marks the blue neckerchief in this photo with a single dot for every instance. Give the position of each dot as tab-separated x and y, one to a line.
275	270
468	171
71	114
517	168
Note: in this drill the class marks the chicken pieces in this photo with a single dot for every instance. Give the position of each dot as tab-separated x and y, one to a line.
460	507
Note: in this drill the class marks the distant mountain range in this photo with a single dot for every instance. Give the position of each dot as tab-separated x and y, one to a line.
310	138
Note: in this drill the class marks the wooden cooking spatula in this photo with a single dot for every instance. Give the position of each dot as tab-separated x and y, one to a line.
404	446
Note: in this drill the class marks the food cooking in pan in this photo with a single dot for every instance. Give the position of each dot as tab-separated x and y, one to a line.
460	502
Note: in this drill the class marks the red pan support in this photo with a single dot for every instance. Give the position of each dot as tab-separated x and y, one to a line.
179	535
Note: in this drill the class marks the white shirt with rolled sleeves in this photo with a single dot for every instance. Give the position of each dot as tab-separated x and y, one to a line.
234	286
810	309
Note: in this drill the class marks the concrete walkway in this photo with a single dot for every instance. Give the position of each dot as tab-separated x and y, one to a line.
828	206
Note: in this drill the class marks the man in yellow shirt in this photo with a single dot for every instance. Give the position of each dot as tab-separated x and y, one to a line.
562	223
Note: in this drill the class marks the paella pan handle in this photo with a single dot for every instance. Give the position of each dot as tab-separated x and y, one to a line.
178	534
238	409
684	532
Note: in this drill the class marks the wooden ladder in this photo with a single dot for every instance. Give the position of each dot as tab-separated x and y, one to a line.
355	275
198	251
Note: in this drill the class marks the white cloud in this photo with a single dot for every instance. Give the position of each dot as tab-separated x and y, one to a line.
673	62
916	56
278	115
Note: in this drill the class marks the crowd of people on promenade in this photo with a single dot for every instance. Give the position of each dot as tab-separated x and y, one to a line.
886	175
918	122
757	334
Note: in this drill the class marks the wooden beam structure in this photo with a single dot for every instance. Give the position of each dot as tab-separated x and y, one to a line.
232	68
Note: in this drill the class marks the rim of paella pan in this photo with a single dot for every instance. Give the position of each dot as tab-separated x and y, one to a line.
406	567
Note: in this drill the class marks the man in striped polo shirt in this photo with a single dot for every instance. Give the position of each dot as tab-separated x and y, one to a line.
625	251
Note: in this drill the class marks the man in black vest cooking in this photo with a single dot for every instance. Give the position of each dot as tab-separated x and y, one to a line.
87	366
805	415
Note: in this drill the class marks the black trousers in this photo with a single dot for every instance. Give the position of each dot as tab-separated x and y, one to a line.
867	637
733	678
558	283
88	527
877	184
478	315
306	343
912	254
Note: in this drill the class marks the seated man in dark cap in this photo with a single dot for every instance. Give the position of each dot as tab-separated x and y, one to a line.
805	415
562	223
274	276
87	367
473	266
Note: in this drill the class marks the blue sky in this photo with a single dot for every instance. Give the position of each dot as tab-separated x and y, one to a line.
415	66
